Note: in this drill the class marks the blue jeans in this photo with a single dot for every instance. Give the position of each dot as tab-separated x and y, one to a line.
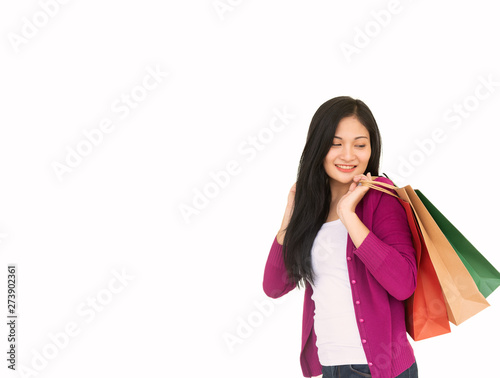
357	371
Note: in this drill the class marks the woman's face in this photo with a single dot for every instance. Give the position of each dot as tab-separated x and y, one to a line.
350	151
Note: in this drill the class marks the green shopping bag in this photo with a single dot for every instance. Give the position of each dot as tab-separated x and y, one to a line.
486	277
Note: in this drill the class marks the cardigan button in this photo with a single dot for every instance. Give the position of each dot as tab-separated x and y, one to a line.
349	258
357	302
370	364
353	282
363	341
361	320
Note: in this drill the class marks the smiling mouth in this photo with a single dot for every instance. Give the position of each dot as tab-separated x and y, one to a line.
345	166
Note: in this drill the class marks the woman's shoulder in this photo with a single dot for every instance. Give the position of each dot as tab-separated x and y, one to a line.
383	179
375	196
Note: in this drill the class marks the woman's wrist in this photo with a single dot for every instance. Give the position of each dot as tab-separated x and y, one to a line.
348	215
355	227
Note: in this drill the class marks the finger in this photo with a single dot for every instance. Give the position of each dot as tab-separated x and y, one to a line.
360	187
360	184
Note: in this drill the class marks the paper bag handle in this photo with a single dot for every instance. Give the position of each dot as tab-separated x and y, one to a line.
374	185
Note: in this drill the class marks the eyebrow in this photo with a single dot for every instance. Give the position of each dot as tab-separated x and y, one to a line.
359	137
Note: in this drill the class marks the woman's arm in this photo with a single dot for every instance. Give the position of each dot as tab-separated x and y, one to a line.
276	283
356	229
387	251
287	216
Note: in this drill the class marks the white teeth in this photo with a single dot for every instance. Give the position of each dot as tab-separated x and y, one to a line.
345	166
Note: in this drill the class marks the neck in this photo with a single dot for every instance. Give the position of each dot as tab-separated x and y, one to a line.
338	190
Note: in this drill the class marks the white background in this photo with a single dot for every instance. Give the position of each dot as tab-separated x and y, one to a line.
196	279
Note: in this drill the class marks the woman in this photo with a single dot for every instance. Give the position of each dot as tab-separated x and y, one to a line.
350	248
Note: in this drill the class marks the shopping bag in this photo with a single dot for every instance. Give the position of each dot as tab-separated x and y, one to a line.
425	311
462	297
461	294
486	277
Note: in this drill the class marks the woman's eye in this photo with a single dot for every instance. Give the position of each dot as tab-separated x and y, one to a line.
338	145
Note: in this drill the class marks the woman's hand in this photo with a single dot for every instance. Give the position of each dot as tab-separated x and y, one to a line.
348	202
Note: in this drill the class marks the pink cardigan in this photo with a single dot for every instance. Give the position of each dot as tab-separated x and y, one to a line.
383	274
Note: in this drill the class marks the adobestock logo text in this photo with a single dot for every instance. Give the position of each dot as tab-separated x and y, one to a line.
87	312
31	26
364	36
455	116
249	148
122	107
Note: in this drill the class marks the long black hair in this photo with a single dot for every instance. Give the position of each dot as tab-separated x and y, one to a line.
312	190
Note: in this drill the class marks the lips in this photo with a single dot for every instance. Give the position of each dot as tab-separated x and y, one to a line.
345	168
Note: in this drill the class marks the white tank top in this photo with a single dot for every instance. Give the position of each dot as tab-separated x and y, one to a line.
337	333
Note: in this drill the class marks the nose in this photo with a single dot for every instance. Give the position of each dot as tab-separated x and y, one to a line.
347	154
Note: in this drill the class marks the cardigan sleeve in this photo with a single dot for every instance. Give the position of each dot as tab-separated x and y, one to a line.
388	251
276	282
